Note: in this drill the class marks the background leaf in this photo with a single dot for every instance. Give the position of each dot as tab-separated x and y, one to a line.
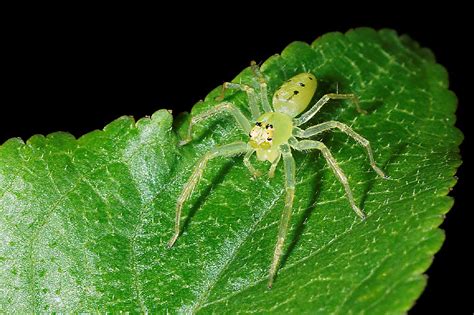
84	223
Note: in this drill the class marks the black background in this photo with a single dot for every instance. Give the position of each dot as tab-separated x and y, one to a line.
76	69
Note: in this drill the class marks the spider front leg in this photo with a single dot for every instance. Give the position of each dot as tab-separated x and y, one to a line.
224	107
310	145
289	164
271	171
314	130
326	98
255	173
225	150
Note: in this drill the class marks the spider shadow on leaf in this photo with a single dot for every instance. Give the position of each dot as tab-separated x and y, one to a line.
372	106
218	178
300	224
311	202
399	149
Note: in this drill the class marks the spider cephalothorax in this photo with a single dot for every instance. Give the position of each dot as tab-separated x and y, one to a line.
274	136
270	131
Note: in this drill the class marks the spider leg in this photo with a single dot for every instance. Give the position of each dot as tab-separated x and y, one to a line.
263	87
249	165
252	97
224	107
322	101
311	144
225	150
314	130
289	164
271	171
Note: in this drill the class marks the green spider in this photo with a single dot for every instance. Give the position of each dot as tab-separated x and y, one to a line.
272	136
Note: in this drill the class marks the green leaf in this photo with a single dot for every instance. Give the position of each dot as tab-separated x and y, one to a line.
84	223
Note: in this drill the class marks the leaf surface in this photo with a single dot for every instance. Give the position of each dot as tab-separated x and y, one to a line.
84	222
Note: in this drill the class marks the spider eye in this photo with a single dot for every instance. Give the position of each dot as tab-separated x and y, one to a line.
259	124
269	126
269	139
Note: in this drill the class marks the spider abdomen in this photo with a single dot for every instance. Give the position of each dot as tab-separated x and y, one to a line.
294	95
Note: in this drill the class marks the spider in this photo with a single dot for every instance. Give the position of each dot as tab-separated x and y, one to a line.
273	136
